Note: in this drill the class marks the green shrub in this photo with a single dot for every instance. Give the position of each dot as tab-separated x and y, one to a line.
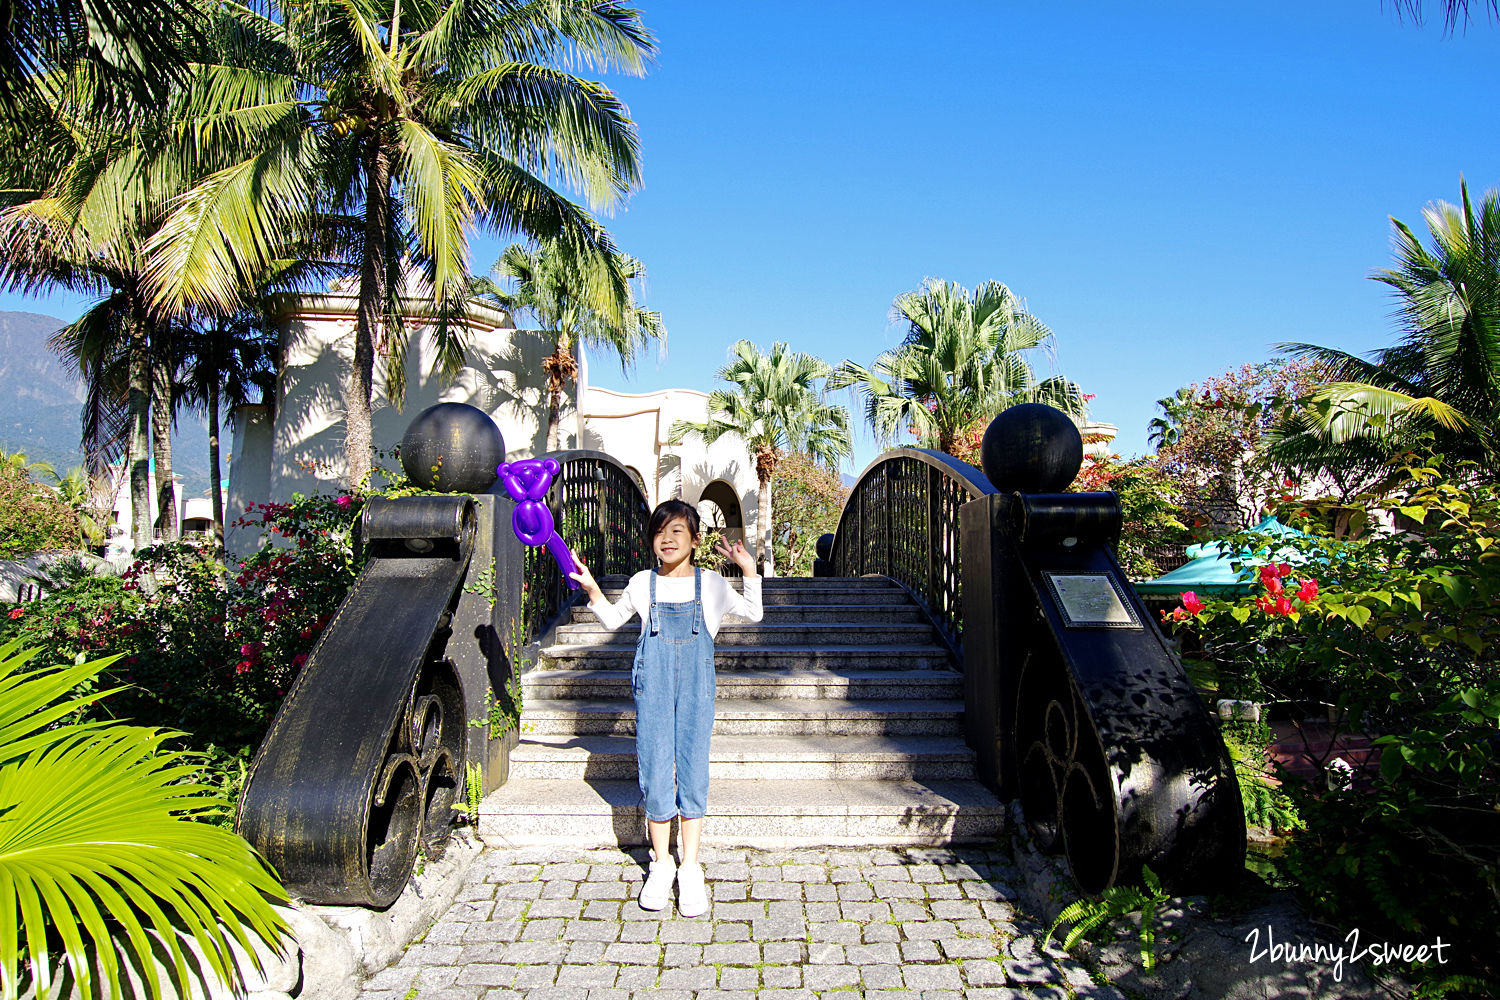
33	517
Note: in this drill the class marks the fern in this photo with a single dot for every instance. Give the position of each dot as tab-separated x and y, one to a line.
1117	901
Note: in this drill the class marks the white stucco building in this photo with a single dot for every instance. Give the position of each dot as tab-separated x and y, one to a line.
295	445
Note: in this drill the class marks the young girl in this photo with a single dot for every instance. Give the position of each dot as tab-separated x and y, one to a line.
681	608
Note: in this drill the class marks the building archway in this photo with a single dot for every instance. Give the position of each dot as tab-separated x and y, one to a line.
719	507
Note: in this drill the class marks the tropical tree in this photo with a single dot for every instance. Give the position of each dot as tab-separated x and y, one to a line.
416	121
963	361
103	861
1440	385
773	407
573	304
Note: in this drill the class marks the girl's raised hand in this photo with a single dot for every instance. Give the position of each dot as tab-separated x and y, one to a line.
586	579
739	555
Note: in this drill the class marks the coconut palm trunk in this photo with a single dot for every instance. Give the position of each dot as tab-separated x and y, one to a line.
215	494
562	370
161	433
358	387
137	454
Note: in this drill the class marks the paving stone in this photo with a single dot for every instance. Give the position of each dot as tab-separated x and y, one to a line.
1048	993
558	993
637	977
502	995
604	890
865	912
822	913
739	911
608	993
513	873
775	890
602	909
453	993
880	933
548	929
633	954
880	977
932	977
856	891
437	977
395	978
729	892
585	952
804	873
825	953
732	953
444	932
919	951
483	951
1032	970
780	977
572	871
534	976
1005	993
508	909
730	932
688	978
587	975
724	995
892	995
779	929
1023	946
898	890
640	932
686	932
874	954
784	952
925	873
733	871
559	889
827	977
535	952
955	909
928	930
680	956
554	908
820	892
738	978
997	909
980	890
519	890
662	995
430	954
843	932
487	975
908	911
942	890
980	972
968	947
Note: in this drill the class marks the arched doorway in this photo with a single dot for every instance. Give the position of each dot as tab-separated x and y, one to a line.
719	507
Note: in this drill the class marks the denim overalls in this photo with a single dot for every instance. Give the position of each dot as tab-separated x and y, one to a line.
673	683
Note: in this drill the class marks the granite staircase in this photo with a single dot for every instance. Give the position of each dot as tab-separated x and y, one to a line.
838	721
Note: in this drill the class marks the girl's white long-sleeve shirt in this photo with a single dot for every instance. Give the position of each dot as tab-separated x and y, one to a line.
719	599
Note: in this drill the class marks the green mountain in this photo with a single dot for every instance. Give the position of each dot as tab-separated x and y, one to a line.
41	405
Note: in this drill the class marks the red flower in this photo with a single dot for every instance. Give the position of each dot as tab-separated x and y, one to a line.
1191	603
344	501
1283	605
16	613
1270	579
243	667
1308	591
1285	569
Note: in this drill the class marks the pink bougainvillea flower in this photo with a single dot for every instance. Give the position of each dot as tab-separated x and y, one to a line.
1308	591
16	613
243	667
1270	581
1285	569
1191	603
1283	605
344	501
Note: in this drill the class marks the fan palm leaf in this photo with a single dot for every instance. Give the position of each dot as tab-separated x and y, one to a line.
99	846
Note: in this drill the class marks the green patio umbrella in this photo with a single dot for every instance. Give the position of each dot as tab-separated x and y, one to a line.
1211	571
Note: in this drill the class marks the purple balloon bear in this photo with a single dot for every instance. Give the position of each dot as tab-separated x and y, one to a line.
527	482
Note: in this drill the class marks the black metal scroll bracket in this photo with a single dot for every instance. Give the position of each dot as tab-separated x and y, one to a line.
365	759
1095	724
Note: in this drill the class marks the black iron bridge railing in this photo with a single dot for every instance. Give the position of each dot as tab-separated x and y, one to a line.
901	521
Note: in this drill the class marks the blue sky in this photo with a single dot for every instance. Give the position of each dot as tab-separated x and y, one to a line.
1171	187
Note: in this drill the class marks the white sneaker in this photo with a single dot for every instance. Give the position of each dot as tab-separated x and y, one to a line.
657	891
692	894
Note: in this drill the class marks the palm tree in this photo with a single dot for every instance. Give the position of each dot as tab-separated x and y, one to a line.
773	407
1442	380
417	121
104	863
572	305
960	364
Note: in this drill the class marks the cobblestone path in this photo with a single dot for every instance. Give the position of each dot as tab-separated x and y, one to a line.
840	923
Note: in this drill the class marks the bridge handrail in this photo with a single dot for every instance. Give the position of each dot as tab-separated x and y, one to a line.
901	520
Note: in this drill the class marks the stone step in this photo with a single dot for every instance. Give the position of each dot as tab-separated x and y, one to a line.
772	813
740	684
860	758
827	634
833	717
780	613
862	657
831	595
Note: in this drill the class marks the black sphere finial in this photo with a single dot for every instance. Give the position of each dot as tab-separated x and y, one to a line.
1031	448
452	448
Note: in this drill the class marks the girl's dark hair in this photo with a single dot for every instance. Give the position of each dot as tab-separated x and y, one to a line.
671	510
